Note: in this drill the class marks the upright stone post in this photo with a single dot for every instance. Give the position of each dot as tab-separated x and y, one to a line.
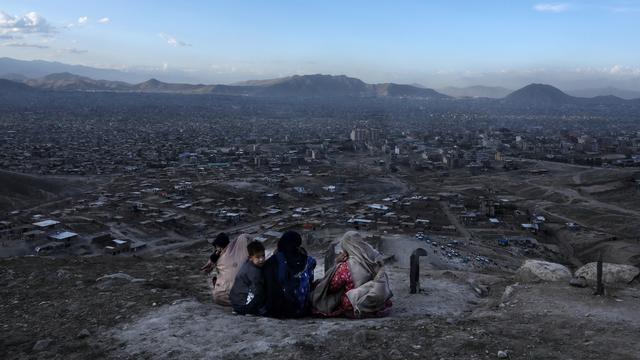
414	270
329	257
599	284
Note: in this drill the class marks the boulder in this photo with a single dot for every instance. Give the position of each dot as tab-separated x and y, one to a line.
536	270
611	273
579	281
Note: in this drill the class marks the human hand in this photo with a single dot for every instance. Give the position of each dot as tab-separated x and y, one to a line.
208	267
342	257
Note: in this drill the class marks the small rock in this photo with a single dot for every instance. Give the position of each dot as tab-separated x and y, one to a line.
395	354
120	276
63	274
105	285
42	345
360	337
579	281
480	289
503	354
363	337
84	333
508	293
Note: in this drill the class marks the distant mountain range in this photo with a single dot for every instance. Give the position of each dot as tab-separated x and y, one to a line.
13	68
58	76
621	93
294	86
533	96
542	96
493	92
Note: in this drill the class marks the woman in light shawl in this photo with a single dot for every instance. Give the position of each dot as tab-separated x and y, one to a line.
227	266
357	286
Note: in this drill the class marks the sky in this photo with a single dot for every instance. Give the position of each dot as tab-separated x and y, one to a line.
573	44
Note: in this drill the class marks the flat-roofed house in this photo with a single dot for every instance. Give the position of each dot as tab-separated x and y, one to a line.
46	224
63	236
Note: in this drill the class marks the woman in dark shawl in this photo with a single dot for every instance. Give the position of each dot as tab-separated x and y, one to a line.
288	275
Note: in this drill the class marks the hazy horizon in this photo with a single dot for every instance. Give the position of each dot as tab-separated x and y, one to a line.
571	45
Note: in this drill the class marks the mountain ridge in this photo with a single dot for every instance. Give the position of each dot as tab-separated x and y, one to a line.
492	92
316	85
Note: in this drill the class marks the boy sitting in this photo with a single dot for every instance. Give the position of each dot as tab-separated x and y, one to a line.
247	293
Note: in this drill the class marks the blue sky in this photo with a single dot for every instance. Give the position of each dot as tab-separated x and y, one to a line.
436	43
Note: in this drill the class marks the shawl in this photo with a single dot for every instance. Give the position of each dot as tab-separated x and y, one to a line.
371	283
228	265
364	260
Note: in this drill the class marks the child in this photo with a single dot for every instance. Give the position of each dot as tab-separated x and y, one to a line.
219	244
247	293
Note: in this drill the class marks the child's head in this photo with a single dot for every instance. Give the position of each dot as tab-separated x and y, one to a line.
220	242
256	253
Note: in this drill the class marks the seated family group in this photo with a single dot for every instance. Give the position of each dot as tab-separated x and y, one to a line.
283	285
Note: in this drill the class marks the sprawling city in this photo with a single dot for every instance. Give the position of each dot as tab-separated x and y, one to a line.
489	222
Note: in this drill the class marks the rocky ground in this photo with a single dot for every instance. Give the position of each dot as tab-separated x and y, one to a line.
159	308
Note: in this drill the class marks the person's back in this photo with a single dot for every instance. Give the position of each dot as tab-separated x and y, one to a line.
247	293
288	277
227	266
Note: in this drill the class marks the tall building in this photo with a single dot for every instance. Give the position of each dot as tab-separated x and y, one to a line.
359	135
375	135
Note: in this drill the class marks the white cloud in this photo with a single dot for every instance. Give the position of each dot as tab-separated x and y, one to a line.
29	23
616	69
24	45
82	20
72	51
104	20
552	8
171	40
624	70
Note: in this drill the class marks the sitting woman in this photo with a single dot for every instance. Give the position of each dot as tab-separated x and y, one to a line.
226	259
357	286
288	275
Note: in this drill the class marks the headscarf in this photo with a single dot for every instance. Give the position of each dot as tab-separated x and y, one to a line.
364	260
289	245
221	240
228	265
288	275
371	286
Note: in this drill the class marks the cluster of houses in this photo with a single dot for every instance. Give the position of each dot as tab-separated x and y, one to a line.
49	234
